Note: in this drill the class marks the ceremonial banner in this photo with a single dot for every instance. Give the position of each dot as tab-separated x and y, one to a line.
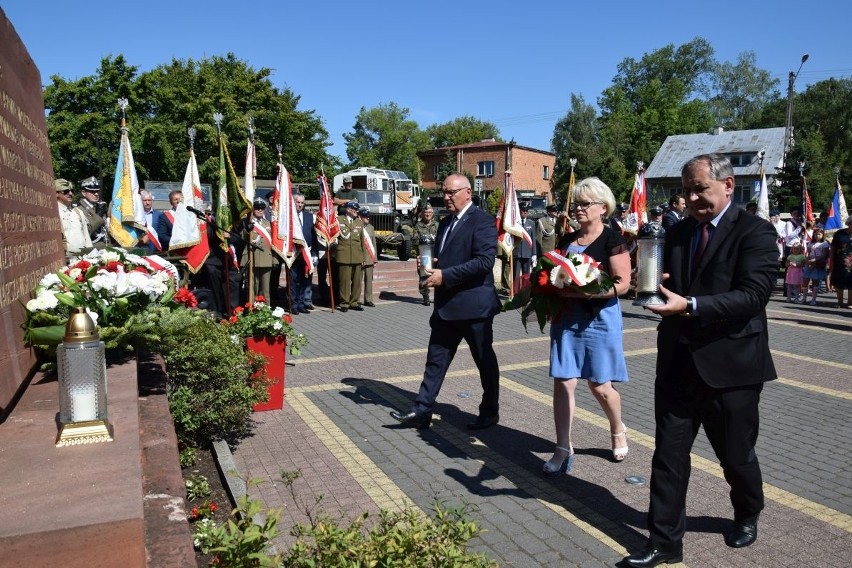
189	234
763	197
289	230
325	221
637	215
127	214
837	212
229	203
509	225
251	170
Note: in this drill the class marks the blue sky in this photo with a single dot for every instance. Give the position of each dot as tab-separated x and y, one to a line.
513	63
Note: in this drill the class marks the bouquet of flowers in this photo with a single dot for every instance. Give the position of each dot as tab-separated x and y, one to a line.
110	283
259	319
552	276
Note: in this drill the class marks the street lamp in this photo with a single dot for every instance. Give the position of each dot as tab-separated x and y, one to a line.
788	126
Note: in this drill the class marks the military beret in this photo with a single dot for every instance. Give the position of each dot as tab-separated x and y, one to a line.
353	205
62	184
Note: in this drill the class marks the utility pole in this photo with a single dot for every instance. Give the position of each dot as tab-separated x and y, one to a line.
788	126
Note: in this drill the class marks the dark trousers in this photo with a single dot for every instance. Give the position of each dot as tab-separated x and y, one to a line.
683	402
299	281
215	273
443	342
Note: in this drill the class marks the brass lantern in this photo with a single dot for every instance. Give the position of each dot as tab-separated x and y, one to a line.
649	265
82	383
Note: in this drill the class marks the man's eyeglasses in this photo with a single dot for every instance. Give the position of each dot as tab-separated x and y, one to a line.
66	192
452	192
584	204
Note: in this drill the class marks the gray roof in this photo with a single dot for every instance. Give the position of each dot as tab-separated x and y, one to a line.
678	149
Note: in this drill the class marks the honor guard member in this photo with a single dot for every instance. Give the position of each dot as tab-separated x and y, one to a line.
75	233
350	256
95	211
370	256
258	231
426	225
523	254
548	230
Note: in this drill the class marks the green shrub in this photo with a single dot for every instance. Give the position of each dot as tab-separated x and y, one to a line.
188	457
244	540
197	486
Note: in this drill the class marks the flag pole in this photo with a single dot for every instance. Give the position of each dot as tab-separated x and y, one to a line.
250	174
569	195
226	269
329	276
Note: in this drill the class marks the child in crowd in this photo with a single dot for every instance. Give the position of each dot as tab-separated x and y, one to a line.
795	264
815	267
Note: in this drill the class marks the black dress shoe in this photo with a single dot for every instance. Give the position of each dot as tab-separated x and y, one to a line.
309	307
653	557
413	419
357	308
425	301
483	422
743	534
370	304
343	308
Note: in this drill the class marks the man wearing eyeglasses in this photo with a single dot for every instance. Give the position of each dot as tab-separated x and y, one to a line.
75	232
95	211
465	304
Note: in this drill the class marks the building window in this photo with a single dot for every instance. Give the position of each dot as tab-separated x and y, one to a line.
485	168
545	172
743	193
742	159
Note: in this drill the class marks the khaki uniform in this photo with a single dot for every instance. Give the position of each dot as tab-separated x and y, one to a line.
75	234
548	232
369	263
349	255
264	259
95	223
422	228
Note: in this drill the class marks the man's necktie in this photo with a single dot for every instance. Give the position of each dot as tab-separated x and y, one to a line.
450	230
703	238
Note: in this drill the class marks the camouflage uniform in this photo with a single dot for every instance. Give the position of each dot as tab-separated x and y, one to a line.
422	228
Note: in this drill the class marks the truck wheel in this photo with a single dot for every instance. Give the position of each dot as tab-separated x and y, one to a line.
405	249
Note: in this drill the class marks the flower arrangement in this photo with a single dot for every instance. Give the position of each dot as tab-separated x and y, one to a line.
553	276
259	319
110	283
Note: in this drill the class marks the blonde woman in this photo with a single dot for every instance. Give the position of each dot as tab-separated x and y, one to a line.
586	338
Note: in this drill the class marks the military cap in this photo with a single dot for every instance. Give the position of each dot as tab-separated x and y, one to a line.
91	184
524	206
657	210
551	207
347	179
364	211
353	205
62	184
260	203
622	207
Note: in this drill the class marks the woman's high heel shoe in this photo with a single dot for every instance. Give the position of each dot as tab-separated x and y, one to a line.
552	470
618	454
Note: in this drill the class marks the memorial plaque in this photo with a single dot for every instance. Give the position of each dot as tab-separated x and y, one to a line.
30	231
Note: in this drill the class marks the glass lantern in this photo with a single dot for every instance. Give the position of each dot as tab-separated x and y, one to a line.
649	264
82	383
425	251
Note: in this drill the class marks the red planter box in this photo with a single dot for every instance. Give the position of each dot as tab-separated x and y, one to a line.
274	351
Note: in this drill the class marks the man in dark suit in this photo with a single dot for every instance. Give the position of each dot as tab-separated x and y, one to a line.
465	304
677	207
712	355
300	272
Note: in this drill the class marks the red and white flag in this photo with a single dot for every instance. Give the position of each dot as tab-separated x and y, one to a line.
637	215
509	224
368	245
287	236
325	221
189	233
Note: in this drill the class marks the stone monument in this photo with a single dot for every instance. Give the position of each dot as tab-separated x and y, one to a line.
30	232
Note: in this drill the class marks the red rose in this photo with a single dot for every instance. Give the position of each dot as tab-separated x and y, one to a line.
194	512
288	319
213	507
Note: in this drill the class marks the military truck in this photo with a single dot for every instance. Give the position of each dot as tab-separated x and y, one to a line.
392	198
536	203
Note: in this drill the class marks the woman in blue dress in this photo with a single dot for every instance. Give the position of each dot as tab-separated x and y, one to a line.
586	338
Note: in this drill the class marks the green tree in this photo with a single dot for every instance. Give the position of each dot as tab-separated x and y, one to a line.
462	130
741	92
576	135
167	100
385	137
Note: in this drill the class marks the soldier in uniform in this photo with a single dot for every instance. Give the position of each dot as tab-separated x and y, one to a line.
94	209
523	254
75	234
548	230
370	259
345	194
350	255
426	225
258	231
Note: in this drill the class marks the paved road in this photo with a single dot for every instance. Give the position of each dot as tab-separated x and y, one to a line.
359	366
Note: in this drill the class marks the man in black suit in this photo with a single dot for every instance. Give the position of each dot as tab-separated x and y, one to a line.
713	355
677	207
465	304
300	272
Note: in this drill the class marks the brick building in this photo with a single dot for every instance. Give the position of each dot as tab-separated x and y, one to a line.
487	160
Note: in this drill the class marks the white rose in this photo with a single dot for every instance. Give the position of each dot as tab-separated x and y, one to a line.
278	312
50	280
